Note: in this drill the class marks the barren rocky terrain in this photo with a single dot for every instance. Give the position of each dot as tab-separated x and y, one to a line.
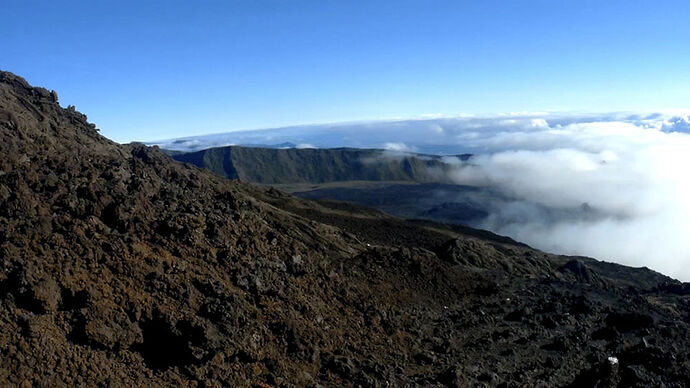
122	267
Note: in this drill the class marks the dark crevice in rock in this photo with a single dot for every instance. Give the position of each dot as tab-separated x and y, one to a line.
73	300
163	346
23	296
78	333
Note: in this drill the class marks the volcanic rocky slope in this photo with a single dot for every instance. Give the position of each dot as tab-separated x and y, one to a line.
121	267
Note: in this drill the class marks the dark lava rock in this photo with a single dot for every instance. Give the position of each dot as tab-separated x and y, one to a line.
624	321
602	374
518	314
605	333
582	306
675	288
637	376
580	272
453	378
427	358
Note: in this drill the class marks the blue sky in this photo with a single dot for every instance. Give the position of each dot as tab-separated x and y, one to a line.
146	70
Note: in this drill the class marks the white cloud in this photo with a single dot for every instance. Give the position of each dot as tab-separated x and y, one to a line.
304	145
432	116
442	135
539	123
400	147
437	128
633	178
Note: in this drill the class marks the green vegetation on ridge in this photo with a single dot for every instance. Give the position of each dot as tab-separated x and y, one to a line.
275	166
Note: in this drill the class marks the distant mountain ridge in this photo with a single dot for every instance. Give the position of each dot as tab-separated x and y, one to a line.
309	165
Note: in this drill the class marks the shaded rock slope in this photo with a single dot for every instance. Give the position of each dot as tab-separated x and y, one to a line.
121	267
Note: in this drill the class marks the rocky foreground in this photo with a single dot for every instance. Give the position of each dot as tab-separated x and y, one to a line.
121	267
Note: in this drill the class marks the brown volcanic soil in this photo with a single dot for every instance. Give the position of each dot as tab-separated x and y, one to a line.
121	267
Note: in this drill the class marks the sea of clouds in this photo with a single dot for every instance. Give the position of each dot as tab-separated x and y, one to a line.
629	179
610	186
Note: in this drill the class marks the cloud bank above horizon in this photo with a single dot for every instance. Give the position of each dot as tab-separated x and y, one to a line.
432	134
610	186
